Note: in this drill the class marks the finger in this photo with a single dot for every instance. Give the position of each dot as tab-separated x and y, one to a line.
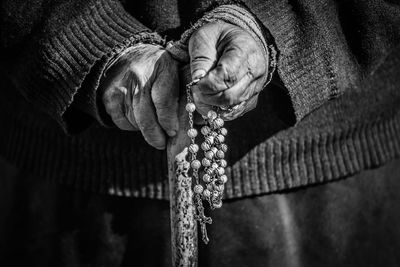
201	107
202	50
129	107
230	69
165	95
146	119
249	105
114	103
241	56
240	92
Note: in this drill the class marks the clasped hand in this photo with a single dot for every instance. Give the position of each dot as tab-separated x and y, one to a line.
141	91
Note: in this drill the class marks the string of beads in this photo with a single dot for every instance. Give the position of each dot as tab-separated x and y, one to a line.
213	164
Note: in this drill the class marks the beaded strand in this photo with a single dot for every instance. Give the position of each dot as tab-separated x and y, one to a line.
213	163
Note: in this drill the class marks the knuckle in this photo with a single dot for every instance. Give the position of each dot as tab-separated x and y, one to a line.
154	139
228	75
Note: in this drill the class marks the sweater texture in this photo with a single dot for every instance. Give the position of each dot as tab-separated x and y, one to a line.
330	111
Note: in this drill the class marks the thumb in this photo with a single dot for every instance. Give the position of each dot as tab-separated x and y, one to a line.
202	50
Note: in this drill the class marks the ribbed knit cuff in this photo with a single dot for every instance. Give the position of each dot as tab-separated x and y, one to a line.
66	56
236	15
313	63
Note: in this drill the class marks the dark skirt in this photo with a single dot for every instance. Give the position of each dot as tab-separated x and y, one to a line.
351	222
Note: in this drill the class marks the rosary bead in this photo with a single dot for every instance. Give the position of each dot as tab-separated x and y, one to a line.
220	188
195	164
210	139
215	194
223	163
205	146
223	178
192	132
224	147
210	187
206	178
220	171
209	171
206	193
217	205
209	154
214	134
214	149
193	148
220	154
190	107
223	131
220	138
198	189
214	166
212	115
206	162
218	123
205	130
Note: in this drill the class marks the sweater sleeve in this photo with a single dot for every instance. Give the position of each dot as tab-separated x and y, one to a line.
237	15
314	60
57	63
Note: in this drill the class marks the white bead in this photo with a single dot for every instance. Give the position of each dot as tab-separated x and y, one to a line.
220	171
209	171
224	147
206	178
192	132
210	139
206	193
205	130
220	188
220	154
215	194
195	164
193	148
198	189
209	154
214	166
223	178
206	162
220	138
218	123
210	187
214	149
205	146
190	107
223	163
223	131
212	115
217	205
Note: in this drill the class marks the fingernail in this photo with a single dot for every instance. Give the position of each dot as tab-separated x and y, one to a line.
198	74
171	133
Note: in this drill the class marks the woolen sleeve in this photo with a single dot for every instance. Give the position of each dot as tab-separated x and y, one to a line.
235	14
61	59
314	60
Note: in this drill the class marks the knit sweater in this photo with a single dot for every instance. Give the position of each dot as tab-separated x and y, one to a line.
331	110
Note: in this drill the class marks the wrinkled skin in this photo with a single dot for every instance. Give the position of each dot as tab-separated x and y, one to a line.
140	91
233	65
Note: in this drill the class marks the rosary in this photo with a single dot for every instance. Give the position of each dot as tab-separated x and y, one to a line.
213	163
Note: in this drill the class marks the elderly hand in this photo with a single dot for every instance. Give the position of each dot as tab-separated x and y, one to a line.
233	65
140	92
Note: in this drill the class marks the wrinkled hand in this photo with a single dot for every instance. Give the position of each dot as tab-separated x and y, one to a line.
140	92
234	66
